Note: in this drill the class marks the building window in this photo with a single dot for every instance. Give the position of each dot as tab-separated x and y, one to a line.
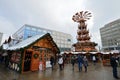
28	28
69	40
39	30
34	29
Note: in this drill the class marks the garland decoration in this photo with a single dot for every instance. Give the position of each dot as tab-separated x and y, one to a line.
35	56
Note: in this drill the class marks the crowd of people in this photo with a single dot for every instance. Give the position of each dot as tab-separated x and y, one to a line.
80	60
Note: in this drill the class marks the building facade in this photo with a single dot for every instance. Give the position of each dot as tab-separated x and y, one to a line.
1	35
63	40
110	36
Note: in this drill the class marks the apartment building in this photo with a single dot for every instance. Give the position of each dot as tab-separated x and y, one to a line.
110	36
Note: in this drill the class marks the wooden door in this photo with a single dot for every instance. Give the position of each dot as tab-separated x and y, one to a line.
35	61
27	60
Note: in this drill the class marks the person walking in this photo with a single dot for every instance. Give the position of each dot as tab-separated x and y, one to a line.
60	62
63	64
113	62
73	62
80	62
52	62
85	63
94	60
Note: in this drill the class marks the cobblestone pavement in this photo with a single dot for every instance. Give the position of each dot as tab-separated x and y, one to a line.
95	72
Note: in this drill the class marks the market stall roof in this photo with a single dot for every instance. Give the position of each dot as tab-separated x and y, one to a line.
115	51
78	52
111	52
5	46
105	52
93	52
31	41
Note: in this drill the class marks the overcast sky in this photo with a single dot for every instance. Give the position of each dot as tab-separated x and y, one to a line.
57	15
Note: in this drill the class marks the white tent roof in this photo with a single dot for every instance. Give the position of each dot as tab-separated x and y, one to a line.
93	52
25	42
115	51
78	52
105	52
5	46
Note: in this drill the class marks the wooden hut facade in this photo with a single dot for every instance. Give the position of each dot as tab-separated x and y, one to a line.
28	54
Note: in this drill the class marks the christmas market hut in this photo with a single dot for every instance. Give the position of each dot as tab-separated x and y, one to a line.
106	56
30	53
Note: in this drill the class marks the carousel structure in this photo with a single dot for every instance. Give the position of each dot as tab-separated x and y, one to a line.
83	38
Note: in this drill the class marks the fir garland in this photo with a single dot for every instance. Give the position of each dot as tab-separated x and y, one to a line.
35	56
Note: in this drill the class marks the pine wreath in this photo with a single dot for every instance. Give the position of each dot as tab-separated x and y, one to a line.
35	56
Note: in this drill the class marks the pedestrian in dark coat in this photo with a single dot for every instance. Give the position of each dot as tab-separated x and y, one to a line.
113	62
52	62
80	62
73	62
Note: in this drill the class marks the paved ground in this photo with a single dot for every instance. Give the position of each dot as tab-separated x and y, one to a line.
97	72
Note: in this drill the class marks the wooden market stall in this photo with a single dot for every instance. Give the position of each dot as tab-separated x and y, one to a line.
69	55
106	57
30	53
